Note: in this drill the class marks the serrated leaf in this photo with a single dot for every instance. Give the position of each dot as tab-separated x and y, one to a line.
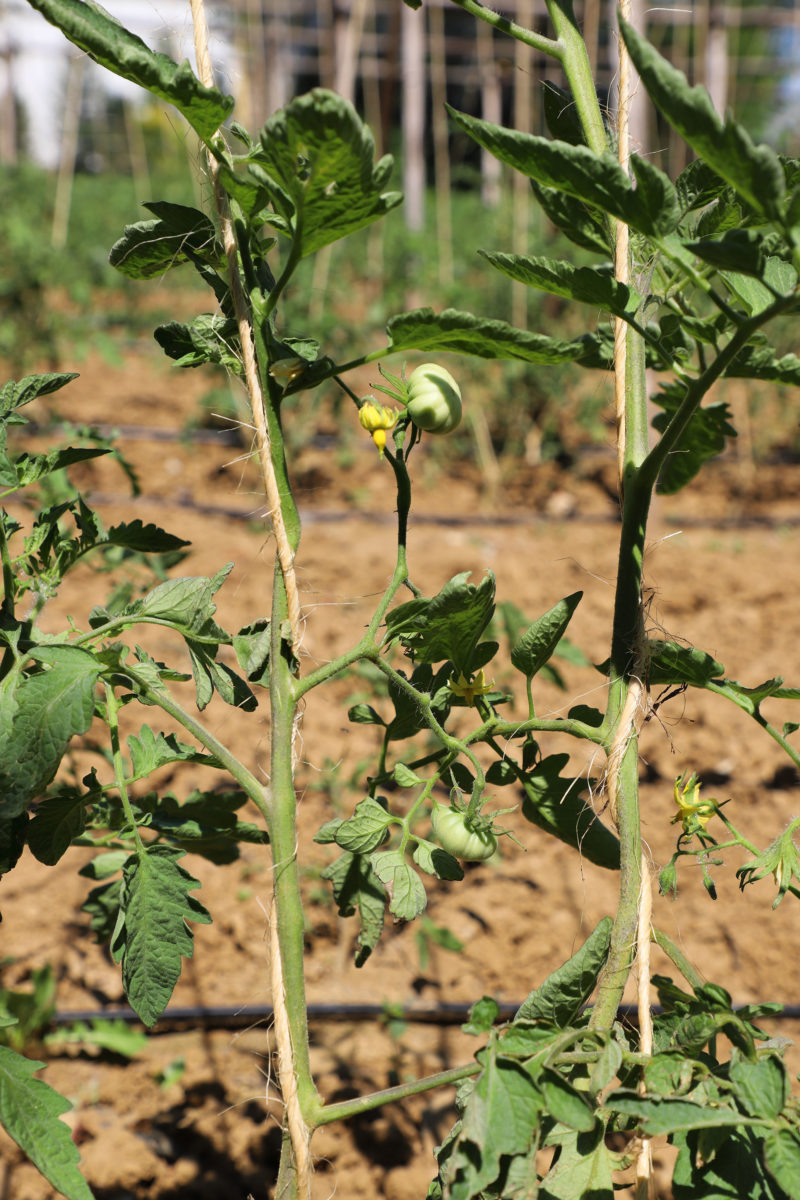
403	885
17	393
148	751
697	185
152	935
102	906
317	158
539	642
753	171
364	714
582	1170
356	887
13	836
186	603
564	1103
761	1086
761	362
586	284
38	719
103	865
433	860
597	179
462	333
366	829
150	539
253	645
670	663
554	803
404	777
782	1158
579	222
666	1115
560	998
607	1065
32	467
57	822
209	338
30	1111
106	41
499	1119
449	625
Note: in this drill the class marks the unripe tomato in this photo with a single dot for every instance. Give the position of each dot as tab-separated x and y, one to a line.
461	836
434	399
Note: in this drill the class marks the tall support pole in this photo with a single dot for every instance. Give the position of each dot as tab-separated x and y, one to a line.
491	110
441	143
522	191
413	82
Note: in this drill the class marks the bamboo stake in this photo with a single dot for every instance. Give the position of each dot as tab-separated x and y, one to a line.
522	192
69	150
441	144
413	79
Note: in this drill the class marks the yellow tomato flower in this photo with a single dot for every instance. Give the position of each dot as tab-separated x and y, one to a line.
692	811
377	419
469	689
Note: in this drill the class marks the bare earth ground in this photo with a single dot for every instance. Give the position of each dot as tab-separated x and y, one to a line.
719	580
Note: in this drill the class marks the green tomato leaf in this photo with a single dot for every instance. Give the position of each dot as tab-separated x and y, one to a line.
565	1104
782	1158
356	888
116	1037
253	646
39	717
317	164
403	885
670	663
185	603
596	179
668	1115
446	627
149	248
16	393
433	860
102	905
560	998
761	362
538	644
209	338
30	1111
462	333
104	39
364	714
13	836
57	822
590	285
753	171
499	1119
579	222
149	750
761	1086
149	539
152	934
366	829
554	804
582	1170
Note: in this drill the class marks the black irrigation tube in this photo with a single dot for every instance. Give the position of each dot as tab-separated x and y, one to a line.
228	1017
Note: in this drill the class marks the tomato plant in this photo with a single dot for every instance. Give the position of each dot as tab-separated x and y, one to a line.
712	260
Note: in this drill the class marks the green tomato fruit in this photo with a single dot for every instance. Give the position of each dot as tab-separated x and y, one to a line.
434	399
460	836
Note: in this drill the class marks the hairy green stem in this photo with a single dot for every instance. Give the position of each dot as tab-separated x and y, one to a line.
112	711
747	706
288	911
244	777
536	41
692	977
574	59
